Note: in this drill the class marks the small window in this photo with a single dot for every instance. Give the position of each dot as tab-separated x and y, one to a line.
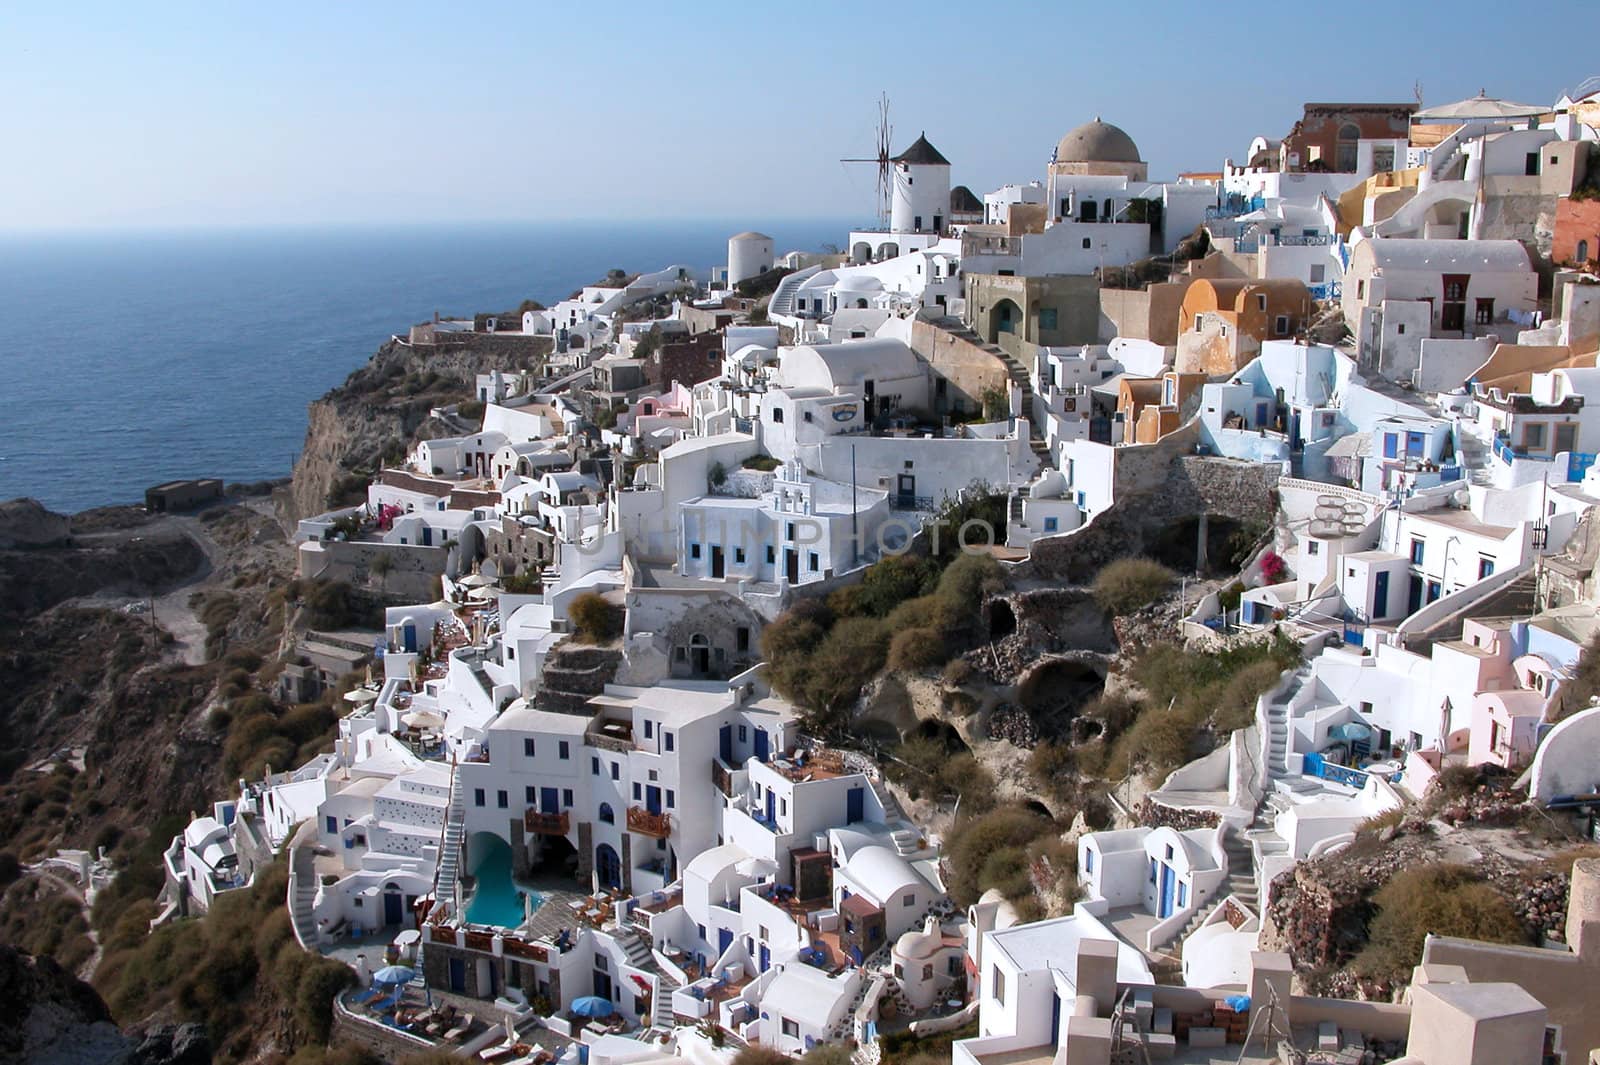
1197	323
1400	330
1085	243
1280	325
672	799
566	796
1088	860
814	563
478	798
909	900
1318	274
502	800
563	750
667	740
772	554
530	795
1484	311
742	639
594	767
527	746
791	1029
777	415
1417	546
1050	525
738	556
694	550
1000	987
788	530
1047	318
806	416
744	733
1261	301
606	814
649	729
1314	548
1361	289
638	790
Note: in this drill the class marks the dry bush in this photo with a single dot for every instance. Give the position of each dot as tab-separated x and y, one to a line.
1130	584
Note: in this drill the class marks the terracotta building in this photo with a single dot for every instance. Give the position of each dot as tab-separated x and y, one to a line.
1148	408
1576	239
1325	138
1223	322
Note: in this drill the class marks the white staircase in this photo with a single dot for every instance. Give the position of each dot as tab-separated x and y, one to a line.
302	893
450	849
641	957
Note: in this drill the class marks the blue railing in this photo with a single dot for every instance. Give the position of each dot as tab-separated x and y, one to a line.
1314	765
1330	290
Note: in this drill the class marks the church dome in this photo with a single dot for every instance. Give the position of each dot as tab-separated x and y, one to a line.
1097	142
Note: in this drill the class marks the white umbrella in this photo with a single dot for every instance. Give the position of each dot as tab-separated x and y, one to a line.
475	580
481	595
420	719
1479	106
360	695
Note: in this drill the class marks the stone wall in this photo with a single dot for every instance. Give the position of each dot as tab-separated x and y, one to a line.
967	368
410	577
1157	485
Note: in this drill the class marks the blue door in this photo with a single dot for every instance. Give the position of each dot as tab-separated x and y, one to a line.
602	985
766	958
1380	596
393	908
763	746
771	805
855	805
608	867
725	743
1055	1019
652	800
1167	880
549	801
458	975
427	536
408	637
724	940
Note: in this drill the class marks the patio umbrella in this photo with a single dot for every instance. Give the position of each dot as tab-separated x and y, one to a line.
1350	731
393	974
755	867
421	719
360	695
475	580
1479	106
593	1006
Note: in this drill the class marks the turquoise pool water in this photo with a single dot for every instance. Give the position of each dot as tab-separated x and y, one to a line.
496	900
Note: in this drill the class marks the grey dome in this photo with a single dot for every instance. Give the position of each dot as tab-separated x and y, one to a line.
1097	142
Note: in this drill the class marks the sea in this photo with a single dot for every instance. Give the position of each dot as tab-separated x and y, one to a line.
132	358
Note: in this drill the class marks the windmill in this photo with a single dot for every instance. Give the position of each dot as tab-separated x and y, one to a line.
881	160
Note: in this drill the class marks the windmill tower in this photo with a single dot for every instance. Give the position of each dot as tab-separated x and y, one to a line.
885	165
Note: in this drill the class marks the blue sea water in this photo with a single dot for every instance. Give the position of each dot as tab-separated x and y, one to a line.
130	358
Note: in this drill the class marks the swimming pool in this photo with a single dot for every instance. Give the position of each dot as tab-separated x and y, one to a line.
496	900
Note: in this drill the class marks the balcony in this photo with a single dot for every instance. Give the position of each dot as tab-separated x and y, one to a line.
646	823
722	777
546	824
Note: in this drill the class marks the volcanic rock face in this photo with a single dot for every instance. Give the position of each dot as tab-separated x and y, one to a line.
53	1018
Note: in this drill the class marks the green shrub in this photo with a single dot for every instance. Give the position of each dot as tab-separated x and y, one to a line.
760	1054
912	650
1130	584
957	671
1442	899
969	845
594	618
893	580
764	463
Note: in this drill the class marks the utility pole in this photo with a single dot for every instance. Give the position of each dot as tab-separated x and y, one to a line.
855	539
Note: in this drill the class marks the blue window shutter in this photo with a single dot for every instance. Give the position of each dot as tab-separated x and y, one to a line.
1390	445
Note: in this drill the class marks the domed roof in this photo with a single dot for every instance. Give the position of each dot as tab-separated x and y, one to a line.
1097	142
749	234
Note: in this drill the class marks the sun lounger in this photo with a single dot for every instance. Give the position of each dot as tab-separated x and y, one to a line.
461	1029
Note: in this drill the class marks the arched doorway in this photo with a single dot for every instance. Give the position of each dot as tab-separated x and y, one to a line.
394	904
1006	318
607	866
888	250
860	252
700	654
1582	253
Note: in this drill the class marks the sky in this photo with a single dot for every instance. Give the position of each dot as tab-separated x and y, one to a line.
217	114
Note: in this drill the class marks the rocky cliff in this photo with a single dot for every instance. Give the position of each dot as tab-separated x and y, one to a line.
373	417
51	1017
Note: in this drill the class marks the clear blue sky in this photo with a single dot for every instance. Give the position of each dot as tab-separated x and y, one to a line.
211	113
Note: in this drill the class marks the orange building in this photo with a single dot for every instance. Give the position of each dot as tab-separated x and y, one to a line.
1222	322
1148	408
1576	237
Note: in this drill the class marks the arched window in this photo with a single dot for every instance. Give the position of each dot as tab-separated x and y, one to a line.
1349	132
1582	254
606	814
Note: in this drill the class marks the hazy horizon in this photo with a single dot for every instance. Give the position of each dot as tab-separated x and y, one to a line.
203	116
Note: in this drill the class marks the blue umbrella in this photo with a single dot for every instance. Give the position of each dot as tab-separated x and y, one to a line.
393	974
593	1006
1350	731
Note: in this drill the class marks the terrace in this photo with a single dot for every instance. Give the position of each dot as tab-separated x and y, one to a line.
657	824
799	765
